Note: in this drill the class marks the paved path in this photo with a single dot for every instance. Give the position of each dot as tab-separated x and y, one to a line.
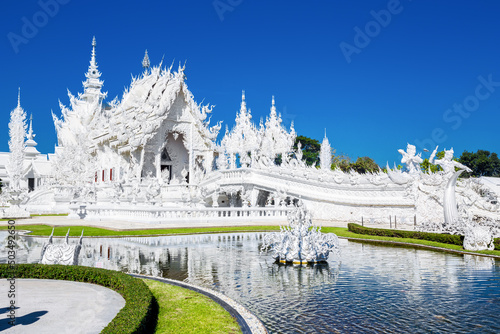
55	306
131	225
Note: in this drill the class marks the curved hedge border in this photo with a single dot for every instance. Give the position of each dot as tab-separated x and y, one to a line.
137	316
452	239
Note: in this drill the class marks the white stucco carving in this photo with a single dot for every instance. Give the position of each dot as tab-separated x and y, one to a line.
154	150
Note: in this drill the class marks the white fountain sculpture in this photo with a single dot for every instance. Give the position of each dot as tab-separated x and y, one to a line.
300	242
61	254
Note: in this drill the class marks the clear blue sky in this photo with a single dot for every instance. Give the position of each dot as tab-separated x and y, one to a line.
401	84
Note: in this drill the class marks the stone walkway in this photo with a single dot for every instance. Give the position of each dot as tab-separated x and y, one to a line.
55	306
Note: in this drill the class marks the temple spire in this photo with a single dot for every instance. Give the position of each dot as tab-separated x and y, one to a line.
30	151
92	86
273	107
145	61
19	97
30	135
243	103
92	59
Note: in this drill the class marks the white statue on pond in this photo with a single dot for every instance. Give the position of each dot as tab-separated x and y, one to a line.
300	242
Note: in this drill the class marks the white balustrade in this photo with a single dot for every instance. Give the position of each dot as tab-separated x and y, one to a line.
157	214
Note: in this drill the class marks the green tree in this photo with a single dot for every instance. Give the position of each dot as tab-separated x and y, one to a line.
310	149
343	162
365	165
482	163
426	165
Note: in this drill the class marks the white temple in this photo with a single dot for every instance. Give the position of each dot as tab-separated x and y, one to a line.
153	155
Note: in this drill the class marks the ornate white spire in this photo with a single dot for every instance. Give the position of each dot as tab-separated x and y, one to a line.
92	60
17	132
273	107
92	86
30	135
243	103
325	155
145	61
30	151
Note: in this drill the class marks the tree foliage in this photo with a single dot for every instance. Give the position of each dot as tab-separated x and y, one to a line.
311	155
365	165
426	166
482	163
342	162
310	149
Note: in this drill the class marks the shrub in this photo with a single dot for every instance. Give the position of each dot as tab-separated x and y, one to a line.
437	237
452	239
137	316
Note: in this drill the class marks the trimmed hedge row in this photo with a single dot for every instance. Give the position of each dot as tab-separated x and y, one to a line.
452	239
139	315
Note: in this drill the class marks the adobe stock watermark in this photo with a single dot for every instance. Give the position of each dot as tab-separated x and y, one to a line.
223	6
31	26
11	279
363	37
288	119
455	115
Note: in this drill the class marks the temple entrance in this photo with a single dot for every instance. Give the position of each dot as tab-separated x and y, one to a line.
31	184
174	158
166	165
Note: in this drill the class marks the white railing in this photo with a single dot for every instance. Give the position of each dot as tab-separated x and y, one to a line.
154	213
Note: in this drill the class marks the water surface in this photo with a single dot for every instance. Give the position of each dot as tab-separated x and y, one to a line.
366	289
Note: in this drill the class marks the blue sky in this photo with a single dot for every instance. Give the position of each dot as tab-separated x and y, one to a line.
375	74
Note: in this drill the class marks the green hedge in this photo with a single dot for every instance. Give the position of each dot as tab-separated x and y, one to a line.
137	316
452	239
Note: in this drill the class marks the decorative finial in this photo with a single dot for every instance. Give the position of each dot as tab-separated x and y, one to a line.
18	97
325	132
30	132
145	61
243	108
273	108
92	60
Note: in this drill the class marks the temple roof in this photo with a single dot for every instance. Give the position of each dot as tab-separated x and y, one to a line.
132	122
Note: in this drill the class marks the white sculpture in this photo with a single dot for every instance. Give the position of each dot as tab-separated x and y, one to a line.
478	238
17	133
300	242
448	165
325	155
411	159
61	254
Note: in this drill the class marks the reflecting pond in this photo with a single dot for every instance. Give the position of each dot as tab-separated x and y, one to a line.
366	289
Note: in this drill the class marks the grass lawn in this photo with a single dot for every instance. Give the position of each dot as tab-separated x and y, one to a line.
343	232
45	230
185	311
76	231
